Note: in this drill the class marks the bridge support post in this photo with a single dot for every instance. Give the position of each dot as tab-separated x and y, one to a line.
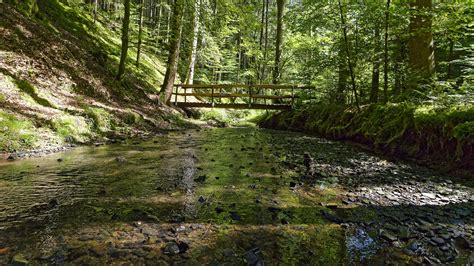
176	96
250	96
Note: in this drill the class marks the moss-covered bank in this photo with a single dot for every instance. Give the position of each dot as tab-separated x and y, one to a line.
431	135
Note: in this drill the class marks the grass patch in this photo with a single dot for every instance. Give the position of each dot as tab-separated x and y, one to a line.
72	128
15	134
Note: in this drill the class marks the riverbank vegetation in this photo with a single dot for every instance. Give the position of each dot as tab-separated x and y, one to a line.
389	75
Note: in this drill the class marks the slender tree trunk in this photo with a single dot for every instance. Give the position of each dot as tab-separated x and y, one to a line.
340	96
158	26
420	44
279	40
174	50
192	60
140	31
125	28
265	46
96	4
385	54
168	20
351	70
398	66
450	58
374	92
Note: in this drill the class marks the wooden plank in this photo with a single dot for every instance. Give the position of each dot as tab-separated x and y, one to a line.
235	106
236	95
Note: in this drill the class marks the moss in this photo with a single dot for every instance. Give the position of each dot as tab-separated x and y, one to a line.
403	127
72	128
15	134
29	89
102	121
133	118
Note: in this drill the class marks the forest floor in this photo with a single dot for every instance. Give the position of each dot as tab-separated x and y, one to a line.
232	196
58	86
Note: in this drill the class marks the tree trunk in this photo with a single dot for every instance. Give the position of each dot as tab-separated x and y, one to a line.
158	26
174	49
279	39
385	54
192	59
374	92
125	28
140	32
420	44
168	21
450	58
96	4
340	96
351	70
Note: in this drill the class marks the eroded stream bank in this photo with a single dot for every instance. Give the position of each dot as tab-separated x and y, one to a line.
231	196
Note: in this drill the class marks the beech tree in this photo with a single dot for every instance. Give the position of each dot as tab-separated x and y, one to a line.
125	29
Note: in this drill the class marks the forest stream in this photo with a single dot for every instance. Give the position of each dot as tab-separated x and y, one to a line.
233	196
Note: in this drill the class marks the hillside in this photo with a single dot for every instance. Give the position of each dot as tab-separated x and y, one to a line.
57	80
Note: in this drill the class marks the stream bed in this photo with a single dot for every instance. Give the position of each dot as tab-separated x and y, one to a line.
232	196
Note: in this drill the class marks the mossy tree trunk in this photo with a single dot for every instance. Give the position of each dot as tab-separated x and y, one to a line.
173	56
125	29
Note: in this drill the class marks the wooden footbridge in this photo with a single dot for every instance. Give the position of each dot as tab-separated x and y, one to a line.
236	96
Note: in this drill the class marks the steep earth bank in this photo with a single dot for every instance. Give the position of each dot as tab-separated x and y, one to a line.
429	135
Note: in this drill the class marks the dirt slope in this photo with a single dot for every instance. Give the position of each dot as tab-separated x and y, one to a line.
57	81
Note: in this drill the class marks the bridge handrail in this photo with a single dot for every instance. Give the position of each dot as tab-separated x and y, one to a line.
246	86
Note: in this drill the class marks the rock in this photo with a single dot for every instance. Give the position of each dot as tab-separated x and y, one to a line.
413	246
404	233
388	236
11	157
253	258
438	240
120	159
183	247
429	195
235	216
202	199
53	203
200	178
274	209
292	184
219	210
171	248
59	160
217	178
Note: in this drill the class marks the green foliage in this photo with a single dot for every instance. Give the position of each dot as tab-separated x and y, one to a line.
15	134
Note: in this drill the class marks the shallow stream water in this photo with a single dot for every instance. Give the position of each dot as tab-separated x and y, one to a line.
231	196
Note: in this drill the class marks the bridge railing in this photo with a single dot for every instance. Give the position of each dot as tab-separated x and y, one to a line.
254	96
